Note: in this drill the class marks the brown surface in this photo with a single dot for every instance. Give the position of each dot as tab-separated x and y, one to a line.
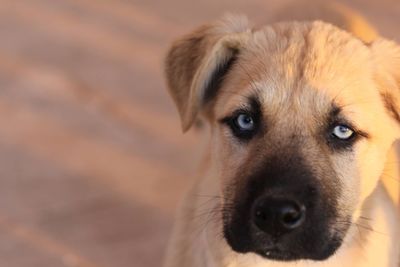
92	160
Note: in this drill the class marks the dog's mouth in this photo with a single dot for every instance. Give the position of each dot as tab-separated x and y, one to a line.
318	248
281	254
302	246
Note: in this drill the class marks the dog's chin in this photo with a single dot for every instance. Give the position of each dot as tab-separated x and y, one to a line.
279	254
322	250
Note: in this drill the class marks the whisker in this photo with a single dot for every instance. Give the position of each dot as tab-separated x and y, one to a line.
369	228
365	218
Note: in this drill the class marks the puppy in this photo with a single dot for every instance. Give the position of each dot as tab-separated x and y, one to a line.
301	119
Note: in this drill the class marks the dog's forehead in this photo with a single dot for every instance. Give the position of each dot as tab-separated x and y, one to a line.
301	66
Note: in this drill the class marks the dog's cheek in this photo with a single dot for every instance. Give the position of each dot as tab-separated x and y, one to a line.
345	166
371	160
358	172
226	158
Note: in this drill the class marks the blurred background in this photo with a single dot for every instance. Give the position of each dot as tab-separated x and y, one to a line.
92	159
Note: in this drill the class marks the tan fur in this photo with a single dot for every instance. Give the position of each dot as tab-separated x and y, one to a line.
294	68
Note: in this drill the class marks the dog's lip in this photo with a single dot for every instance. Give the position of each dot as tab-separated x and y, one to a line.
277	254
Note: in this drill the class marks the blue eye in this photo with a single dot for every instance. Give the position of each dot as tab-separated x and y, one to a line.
243	125
244	122
342	132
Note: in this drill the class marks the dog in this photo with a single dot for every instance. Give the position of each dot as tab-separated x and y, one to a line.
300	116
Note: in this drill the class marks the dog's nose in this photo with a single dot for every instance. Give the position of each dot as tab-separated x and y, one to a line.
278	216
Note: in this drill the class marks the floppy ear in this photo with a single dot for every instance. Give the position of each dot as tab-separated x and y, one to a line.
196	64
387	60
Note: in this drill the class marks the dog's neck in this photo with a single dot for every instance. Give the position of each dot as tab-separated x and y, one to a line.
369	242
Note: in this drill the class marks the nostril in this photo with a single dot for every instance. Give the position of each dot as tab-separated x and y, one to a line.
292	215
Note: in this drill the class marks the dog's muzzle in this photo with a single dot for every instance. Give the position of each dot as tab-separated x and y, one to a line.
283	212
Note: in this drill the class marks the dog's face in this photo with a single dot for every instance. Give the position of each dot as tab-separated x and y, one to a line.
302	116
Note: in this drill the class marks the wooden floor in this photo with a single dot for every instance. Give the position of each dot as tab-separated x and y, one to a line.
92	160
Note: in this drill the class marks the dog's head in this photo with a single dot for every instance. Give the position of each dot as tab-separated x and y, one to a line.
302	116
